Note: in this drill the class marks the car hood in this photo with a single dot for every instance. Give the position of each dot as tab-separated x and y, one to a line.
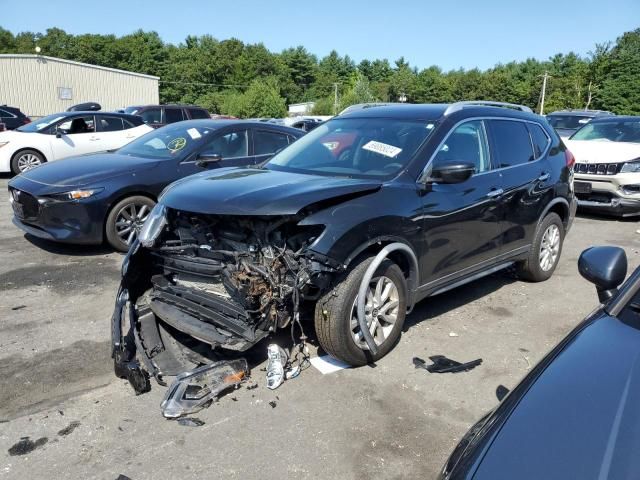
251	191
86	169
603	151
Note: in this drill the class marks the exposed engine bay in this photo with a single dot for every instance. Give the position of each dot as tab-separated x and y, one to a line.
222	282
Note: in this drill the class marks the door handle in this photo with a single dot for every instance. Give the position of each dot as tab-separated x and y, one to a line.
495	193
93	139
544	176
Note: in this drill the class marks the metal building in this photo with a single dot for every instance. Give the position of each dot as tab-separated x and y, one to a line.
41	85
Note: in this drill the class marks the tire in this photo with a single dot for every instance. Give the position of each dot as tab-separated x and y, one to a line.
125	220
534	268
26	160
335	315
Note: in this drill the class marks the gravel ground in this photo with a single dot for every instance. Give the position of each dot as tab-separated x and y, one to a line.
387	422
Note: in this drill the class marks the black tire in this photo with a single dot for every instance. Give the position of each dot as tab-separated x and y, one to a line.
18	160
112	230
333	315
531	269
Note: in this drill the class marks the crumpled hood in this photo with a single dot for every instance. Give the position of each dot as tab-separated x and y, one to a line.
86	169
602	151
249	191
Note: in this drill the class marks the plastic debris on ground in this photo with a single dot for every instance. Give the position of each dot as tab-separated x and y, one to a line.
442	364
190	422
194	390
277	361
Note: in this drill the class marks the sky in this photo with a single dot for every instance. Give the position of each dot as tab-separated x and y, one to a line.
447	33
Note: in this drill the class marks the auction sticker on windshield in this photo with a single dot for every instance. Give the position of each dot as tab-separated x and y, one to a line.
177	144
382	148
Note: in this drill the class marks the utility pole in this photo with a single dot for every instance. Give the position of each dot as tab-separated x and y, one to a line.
335	98
544	91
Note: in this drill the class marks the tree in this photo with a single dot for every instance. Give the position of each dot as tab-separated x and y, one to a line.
620	91
359	92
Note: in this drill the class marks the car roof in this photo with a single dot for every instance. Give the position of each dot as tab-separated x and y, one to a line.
435	111
616	118
582	113
227	122
182	105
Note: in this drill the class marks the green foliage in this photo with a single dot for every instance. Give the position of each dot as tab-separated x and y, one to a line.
248	80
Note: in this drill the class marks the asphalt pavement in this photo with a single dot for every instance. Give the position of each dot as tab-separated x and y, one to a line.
390	421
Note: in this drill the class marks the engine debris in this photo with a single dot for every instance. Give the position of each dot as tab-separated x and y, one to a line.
442	364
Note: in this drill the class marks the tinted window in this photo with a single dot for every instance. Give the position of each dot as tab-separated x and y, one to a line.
128	124
76	125
173	115
109	124
467	143
230	145
151	116
172	141
5	114
511	143
612	131
570	122
268	142
539	138
197	113
41	124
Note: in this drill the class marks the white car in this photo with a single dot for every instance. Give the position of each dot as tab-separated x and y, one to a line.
607	169
66	134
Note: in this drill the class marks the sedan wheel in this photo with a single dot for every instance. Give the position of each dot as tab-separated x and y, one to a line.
125	221
549	247
26	160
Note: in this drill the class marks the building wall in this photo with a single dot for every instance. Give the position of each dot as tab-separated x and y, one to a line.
36	83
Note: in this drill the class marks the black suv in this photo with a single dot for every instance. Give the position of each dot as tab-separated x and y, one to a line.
12	117
355	222
157	116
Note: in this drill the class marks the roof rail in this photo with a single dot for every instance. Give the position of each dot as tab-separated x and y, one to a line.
454	107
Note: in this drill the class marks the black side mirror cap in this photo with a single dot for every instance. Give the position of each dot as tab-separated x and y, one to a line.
605	267
452	172
58	134
202	160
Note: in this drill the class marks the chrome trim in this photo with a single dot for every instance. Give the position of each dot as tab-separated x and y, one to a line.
456	107
495	193
423	174
472	278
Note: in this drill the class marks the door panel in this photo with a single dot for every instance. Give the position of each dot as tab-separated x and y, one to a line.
461	221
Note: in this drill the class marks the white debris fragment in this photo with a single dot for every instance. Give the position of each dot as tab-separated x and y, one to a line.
453	334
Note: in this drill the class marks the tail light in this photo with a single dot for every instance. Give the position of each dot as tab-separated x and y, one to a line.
26	120
569	158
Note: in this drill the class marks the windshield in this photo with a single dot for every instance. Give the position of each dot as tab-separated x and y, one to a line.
131	110
41	123
169	142
568	122
355	147
610	131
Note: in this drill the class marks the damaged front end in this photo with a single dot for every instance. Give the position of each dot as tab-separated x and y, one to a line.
196	285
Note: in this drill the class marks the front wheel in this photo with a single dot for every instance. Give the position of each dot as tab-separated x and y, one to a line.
26	160
336	318
545	250
125	221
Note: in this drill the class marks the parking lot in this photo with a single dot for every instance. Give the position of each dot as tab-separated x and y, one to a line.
387	421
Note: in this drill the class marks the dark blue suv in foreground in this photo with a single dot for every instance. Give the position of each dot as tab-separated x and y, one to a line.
361	218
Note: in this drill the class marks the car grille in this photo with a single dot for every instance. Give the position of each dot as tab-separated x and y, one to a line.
26	205
598	168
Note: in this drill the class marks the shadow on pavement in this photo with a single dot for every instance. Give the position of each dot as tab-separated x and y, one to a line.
67	248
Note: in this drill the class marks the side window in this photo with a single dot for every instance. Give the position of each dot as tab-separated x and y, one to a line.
5	114
230	145
77	125
511	143
198	113
265	143
173	115
152	116
539	139
128	124
466	143
109	124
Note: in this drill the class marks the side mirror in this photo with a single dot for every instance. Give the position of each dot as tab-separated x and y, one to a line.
58	134
204	159
605	267
452	172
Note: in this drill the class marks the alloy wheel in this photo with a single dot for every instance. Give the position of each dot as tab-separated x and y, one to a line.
129	221
549	248
381	312
27	161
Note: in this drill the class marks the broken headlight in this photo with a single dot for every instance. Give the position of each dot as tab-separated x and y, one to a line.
153	225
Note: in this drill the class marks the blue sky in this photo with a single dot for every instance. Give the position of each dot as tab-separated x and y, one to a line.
447	33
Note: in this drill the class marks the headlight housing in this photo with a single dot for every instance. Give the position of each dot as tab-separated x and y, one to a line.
153	225
631	167
72	195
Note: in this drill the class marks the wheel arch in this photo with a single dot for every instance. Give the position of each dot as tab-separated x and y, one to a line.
22	149
117	199
559	206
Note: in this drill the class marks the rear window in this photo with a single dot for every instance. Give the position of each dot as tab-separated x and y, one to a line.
173	115
569	122
539	139
198	113
511	143
152	116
